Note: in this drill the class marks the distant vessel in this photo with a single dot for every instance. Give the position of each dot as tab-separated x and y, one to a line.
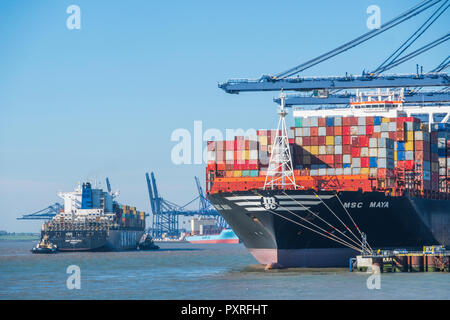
93	221
225	236
45	246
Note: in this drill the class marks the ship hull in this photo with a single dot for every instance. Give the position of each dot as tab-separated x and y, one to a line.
99	240
276	226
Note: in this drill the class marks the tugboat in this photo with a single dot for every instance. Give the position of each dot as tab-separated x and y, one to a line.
146	243
45	246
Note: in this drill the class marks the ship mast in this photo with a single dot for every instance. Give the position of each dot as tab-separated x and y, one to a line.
280	173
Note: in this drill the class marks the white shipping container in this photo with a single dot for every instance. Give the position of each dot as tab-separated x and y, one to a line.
361	130
356	162
298	132
354	130
364	152
253	155
373	143
337	121
377	128
392	126
361	121
347	171
347	158
373	152
314	122
385	127
421	136
306	132
339	171
322	131
331	171
229	155
337	149
322	172
385	135
211	156
338	140
356	171
409	155
322	150
313	172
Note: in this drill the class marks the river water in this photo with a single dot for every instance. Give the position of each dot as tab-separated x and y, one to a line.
193	271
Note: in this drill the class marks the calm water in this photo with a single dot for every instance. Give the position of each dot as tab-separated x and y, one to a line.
188	271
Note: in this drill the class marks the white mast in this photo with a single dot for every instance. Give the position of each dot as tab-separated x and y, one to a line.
280	173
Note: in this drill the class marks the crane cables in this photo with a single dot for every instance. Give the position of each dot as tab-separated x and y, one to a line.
416	52
388	25
322	232
306	208
405	45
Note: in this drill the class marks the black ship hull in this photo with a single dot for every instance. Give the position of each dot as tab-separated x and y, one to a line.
276	226
98	240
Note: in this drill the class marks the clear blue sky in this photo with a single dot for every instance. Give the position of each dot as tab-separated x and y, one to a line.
104	100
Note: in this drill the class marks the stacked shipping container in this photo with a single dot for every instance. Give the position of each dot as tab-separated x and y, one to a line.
129	217
392	152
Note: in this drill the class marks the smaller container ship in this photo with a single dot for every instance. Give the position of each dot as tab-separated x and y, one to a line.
92	221
206	231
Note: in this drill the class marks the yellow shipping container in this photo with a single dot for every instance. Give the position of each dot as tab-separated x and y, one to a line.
315	150
409	146
307	148
395	155
364	171
330	140
410	136
263	140
237	173
385	119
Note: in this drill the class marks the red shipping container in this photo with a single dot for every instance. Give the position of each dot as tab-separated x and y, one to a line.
353	121
355	142
322	140
291	141
364	162
261	132
392	135
322	122
364	141
346	130
369	121
253	165
314	141
314	131
356	152
337	131
211	145
400	135
409	164
346	149
306	141
330	131
346	139
232	145
346	121
338	158
329	159
369	129
212	165
221	166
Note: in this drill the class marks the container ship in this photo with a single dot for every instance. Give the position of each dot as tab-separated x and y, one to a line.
205	230
93	221
352	179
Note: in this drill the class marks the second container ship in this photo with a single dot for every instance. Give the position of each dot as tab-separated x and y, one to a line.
93	221
365	177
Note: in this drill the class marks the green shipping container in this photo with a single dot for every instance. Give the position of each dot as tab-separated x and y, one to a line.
299	122
245	173
254	173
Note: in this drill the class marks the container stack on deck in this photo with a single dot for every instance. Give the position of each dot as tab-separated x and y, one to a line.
371	152
130	217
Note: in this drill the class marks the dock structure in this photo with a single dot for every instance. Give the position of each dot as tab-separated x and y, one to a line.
433	260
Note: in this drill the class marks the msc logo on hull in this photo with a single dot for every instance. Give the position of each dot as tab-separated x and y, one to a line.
269	203
372	204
